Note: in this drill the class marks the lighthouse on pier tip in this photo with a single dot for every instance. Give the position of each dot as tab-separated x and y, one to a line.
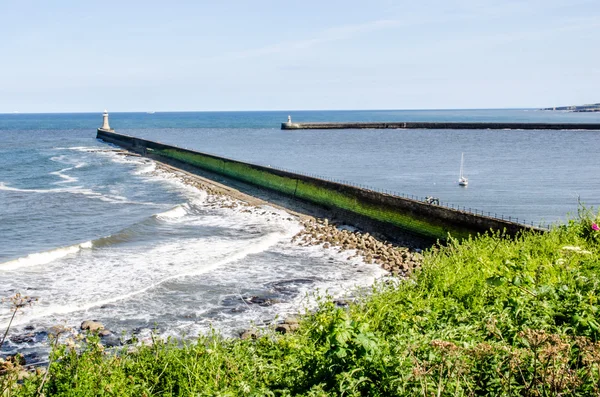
105	125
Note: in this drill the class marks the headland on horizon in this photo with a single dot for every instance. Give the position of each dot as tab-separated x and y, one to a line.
593	107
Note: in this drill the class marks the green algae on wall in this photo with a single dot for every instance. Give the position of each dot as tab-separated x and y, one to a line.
240	171
312	191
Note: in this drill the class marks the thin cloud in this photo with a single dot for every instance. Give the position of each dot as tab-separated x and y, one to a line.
329	35
579	25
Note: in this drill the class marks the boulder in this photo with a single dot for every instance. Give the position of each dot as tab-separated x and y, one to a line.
260	301
17	359
111	341
283	328
93	326
24	374
341	303
104	332
24	338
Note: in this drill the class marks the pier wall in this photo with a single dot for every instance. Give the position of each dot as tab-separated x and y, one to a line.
356	206
442	125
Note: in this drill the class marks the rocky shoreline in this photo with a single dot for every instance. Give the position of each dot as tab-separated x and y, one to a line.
399	259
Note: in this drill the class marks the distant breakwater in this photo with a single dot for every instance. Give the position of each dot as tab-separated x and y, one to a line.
366	209
441	126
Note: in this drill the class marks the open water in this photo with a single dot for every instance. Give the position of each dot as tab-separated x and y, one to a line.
96	235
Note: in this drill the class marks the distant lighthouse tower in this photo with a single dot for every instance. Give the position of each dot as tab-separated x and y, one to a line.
105	125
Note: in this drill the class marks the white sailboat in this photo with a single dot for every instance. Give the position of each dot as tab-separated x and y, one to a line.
462	180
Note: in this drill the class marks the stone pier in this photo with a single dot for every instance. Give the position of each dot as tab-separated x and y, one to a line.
440	126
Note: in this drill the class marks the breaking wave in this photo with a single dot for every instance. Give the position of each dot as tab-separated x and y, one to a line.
42	258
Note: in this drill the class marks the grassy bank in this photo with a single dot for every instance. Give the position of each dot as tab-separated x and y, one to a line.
487	316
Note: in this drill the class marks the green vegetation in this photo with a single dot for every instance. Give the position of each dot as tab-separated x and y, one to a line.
313	192
485	316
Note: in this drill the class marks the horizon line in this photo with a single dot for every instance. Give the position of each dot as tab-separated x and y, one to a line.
271	110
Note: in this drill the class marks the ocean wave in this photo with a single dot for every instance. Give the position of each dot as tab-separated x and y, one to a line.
130	232
86	149
123	236
255	246
144	165
80	190
42	258
66	178
58	159
176	212
146	169
115	199
74	164
74	189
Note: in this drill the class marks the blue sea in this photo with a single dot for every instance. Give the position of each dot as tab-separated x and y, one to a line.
94	234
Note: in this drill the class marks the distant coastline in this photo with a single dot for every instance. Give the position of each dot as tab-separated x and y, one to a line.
594	107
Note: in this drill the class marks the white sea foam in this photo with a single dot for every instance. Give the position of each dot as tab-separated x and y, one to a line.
96	278
66	178
59	159
83	149
139	281
174	213
147	169
117	158
196	197
42	258
144	166
79	190
115	199
87	244
329	272
74	189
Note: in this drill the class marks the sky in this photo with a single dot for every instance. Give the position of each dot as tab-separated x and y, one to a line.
85	56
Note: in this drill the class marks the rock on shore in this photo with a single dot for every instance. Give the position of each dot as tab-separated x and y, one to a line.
399	261
92	326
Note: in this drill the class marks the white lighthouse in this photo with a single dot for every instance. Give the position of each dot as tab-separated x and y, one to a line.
105	125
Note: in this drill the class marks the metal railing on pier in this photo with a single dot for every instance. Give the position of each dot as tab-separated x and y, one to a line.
445	204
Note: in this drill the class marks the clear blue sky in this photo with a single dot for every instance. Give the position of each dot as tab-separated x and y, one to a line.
77	56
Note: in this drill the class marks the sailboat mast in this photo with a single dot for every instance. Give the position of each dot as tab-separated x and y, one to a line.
462	158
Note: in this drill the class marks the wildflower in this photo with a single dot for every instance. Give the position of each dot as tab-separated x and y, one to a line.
576	250
595	226
18	301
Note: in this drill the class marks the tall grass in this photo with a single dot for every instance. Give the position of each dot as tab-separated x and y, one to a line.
485	316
